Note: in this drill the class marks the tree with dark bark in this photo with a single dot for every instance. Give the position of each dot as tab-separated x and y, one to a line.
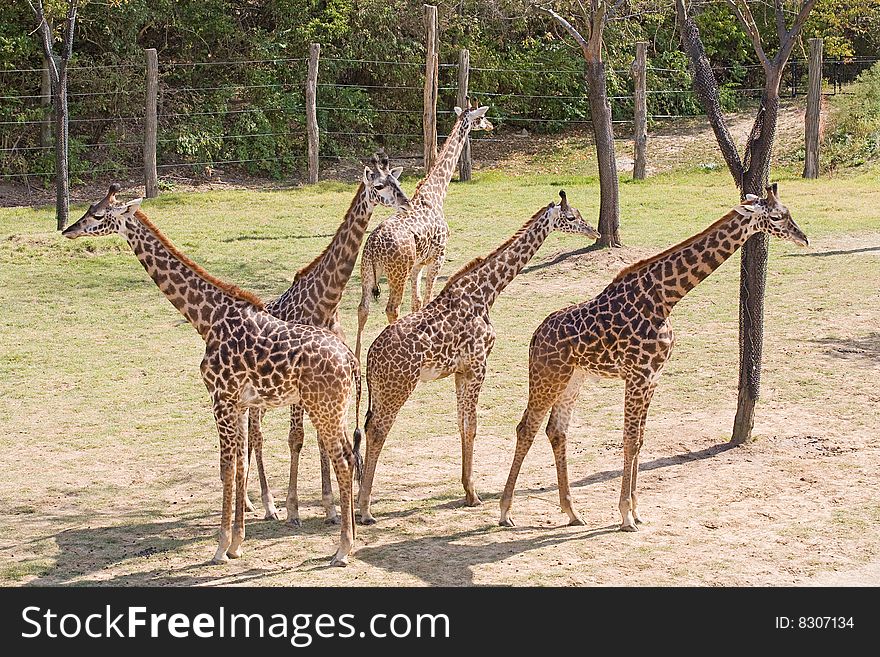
57	66
600	113
751	174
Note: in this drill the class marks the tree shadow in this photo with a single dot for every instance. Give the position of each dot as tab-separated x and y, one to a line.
445	561
825	254
866	347
267	238
562	257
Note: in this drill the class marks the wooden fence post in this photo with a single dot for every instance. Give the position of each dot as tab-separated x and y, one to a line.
45	103
640	114
151	125
814	108
464	66
432	64
312	110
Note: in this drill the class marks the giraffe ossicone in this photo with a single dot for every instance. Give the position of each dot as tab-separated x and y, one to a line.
625	333
451	335
252	360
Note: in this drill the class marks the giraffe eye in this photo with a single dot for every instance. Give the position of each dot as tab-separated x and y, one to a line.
379	186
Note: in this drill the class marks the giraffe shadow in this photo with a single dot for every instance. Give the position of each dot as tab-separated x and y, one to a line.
89	550
449	560
269	238
865	347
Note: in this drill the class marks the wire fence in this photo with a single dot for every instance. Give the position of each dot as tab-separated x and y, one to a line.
250	114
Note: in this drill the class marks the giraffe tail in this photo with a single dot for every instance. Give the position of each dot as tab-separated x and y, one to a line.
358	434
376	291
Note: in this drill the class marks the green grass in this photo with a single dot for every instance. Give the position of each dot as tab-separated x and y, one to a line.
102	410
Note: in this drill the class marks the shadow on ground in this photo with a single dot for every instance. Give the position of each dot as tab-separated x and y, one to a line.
865	347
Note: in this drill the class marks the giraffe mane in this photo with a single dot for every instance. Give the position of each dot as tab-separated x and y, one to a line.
447	144
305	271
681	245
476	262
228	288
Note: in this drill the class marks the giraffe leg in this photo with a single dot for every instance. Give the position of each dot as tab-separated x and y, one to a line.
255	444
433	272
253	440
379	422
649	393
528	426
415	279
228	428
295	442
369	284
467	392
241	474
397	276
330	515
557	427
340	453
637	399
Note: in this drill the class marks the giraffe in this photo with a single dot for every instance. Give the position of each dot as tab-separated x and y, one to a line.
252	360
409	240
451	335
625	333
313	298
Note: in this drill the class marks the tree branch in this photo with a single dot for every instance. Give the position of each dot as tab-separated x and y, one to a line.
741	9
45	39
582	42
796	27
706	89
780	22
67	51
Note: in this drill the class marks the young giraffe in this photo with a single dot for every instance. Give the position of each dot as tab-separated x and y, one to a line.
252	360
625	333
451	335
408	241
313	298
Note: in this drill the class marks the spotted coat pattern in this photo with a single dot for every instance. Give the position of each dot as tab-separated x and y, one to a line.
252	360
313	298
409	240
452	334
625	333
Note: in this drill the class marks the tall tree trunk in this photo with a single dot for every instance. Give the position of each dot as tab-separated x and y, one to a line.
753	263
62	186
600	114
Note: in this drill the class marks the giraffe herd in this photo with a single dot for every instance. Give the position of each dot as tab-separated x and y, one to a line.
291	352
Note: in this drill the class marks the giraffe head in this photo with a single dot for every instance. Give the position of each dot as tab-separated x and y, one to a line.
770	216
104	217
473	117
382	183
567	219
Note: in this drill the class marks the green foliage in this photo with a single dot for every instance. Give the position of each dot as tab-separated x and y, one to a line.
855	137
529	72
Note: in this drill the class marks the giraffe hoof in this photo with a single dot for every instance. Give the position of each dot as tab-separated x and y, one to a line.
294	522
249	506
272	516
333	520
473	501
639	521
507	522
220	560
368	521
234	554
576	522
629	528
339	562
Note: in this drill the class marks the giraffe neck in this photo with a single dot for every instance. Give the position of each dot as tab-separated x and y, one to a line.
435	185
192	294
675	272
317	289
492	274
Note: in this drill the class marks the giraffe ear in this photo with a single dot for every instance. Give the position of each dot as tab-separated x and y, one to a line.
457	110
132	206
396	171
368	176
747	208
480	111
